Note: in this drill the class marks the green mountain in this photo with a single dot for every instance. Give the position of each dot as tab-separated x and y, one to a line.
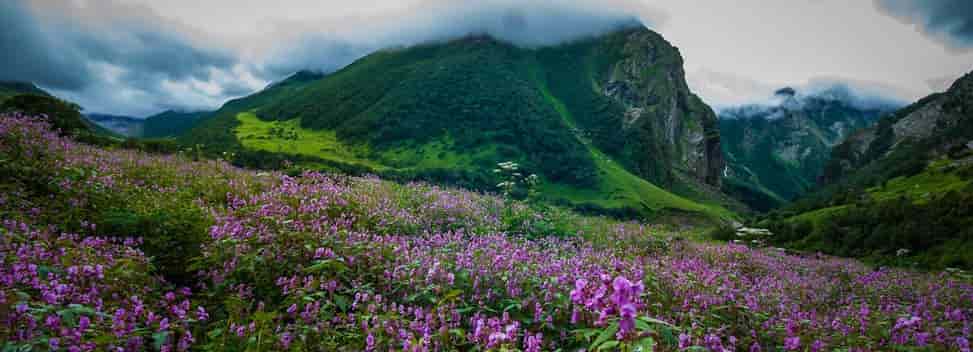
904	186
607	123
777	152
11	88
165	124
172	123
123	125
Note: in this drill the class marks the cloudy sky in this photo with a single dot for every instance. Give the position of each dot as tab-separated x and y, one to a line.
138	57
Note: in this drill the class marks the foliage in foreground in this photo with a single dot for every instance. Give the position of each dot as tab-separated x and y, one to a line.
319	262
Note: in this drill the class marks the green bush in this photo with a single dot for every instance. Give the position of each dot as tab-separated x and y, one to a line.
722	233
172	236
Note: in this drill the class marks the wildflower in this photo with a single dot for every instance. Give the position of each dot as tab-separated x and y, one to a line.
370	342
577	294
286	339
685	340
627	322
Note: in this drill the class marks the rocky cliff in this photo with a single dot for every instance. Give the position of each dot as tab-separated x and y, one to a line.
649	81
919	132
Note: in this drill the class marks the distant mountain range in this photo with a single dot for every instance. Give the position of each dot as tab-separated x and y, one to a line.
165	124
902	188
776	152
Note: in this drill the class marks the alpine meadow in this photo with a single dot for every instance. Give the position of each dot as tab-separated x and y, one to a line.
494	176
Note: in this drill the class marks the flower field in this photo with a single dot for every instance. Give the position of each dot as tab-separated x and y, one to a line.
105	249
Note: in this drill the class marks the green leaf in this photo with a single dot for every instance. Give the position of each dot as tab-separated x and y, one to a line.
159	339
646	344
341	302
606	334
608	345
654	321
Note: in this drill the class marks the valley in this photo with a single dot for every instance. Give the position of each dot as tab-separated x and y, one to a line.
488	176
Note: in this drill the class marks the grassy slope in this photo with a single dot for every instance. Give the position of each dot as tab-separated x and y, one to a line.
333	135
257	134
624	188
925	192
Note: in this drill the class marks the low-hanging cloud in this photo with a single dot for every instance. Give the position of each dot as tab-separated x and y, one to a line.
948	21
865	96
331	44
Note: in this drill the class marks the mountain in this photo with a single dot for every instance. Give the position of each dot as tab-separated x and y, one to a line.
123	125
919	132
12	88
902	189
776	152
165	124
608	123
172	123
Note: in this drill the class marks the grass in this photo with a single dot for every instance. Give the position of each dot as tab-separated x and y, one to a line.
257	134
920	188
616	188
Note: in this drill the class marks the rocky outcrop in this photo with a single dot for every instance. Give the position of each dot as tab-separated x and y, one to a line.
932	126
649	81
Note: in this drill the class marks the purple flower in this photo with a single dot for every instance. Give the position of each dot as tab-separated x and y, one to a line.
370	342
627	322
286	339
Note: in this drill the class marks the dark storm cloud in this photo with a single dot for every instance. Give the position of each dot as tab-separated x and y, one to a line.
28	54
949	21
97	56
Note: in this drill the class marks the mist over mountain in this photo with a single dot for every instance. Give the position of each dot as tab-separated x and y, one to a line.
777	150
904	183
169	123
608	122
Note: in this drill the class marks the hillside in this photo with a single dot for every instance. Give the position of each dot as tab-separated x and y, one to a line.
165	124
12	88
123	125
608	123
902	186
777	152
212	257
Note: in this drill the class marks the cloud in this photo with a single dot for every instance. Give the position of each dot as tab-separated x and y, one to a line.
727	91
27	53
124	58
947	21
108	56
861	95
330	44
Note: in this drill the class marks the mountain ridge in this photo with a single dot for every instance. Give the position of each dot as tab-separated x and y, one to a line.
563	112
776	152
900	189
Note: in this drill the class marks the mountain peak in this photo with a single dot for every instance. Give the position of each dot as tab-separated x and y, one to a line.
785	92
